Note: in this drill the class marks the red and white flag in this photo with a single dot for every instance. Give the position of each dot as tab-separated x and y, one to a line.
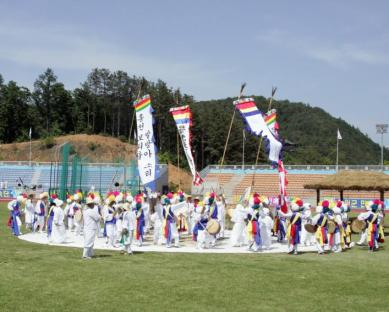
283	183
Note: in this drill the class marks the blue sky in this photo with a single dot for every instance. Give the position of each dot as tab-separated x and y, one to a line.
331	54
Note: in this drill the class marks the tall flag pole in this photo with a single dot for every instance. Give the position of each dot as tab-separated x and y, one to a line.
140	88
30	136
147	151
244	142
232	121
183	117
338	137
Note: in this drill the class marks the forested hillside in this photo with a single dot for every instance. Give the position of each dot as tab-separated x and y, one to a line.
103	105
312	129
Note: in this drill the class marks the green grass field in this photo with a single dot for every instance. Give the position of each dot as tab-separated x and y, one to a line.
45	278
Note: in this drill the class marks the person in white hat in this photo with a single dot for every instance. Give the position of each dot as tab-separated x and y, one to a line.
58	235
76	207
29	212
91	219
265	225
363	236
293	232
334	239
373	217
239	215
110	217
128	228
157	221
221	213
307	239
146	211
14	222
119	217
321	221
40	211
97	201
69	212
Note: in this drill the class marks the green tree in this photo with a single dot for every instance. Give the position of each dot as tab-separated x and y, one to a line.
13	108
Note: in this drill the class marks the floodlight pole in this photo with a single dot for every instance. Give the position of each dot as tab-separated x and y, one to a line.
382	129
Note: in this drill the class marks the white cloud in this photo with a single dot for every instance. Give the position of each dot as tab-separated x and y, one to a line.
337	54
67	49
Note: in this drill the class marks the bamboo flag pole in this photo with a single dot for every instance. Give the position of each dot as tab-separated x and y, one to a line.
232	121
141	85
273	92
178	152
178	160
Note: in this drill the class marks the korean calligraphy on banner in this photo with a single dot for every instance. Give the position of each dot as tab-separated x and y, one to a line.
146	153
183	117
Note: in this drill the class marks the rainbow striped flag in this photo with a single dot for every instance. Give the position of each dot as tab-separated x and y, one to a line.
182	115
270	118
247	107
142	103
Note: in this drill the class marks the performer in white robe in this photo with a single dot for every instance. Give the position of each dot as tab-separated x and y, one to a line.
334	239
69	213
58	235
200	234
40	211
211	209
109	214
221	214
157	220
128	228
363	236
321	221
293	232
146	212
239	217
373	217
189	217
169	227
91	218
119	216
265	225
15	208
77	208
29	212
347	233
307	239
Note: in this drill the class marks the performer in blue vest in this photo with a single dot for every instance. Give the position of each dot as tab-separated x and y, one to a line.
169	227
212	210
40	211
14	221
140	219
50	216
253	230
373	217
294	228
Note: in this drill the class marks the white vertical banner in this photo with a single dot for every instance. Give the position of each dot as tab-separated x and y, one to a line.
183	118
147	152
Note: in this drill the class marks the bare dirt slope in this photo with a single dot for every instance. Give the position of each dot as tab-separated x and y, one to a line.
96	148
180	177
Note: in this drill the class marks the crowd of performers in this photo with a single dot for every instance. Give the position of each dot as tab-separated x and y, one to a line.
124	220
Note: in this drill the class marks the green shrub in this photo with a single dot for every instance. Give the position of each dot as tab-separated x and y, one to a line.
93	146
123	138
48	142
